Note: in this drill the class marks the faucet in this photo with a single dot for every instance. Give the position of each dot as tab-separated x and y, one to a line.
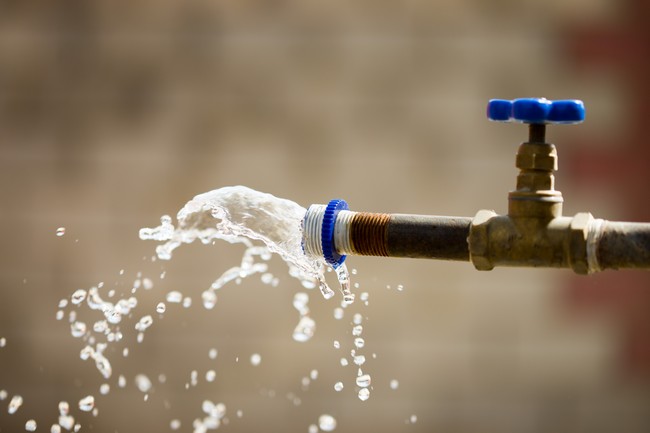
533	233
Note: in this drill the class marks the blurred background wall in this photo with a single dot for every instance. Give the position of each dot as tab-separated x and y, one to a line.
113	114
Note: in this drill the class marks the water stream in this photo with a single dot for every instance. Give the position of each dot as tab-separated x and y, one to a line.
265	225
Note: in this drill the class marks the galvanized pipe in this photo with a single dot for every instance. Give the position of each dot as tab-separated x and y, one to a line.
401	235
583	243
623	245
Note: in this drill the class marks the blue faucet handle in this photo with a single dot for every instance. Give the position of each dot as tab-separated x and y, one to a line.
536	111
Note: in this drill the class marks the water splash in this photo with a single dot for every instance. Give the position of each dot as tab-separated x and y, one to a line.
264	225
242	215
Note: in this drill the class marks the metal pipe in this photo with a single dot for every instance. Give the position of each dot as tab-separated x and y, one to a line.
401	235
581	242
623	245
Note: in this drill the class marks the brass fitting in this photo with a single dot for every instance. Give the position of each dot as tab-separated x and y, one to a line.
503	240
534	232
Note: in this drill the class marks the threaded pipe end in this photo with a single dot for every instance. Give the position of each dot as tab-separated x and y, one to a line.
369	234
312	227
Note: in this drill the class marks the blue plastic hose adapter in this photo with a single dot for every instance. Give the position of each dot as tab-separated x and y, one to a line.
332	210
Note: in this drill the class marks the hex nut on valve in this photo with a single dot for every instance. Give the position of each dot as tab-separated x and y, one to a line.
479	242
578	232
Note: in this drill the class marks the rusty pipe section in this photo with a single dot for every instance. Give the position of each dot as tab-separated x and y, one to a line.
401	235
331	232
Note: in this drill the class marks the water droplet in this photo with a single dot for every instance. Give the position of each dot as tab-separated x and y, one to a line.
147	284
63	303
59	315
363	380
3	394
30	425
359	360
100	326
77	427
121	381
304	330
64	408
394	384
313	374
326	422
55	428
207	406
66	421
364	394
338	313
78	329
174	297
344	362
78	296
364	296
300	301
256	359
104	388
357	330
353	271
142	382
162	378
359	342
14	404
413	419
187	302
313	428
210	375
161	307
212	353
337	345
194	377
60	231
87	403
86	353
125	352
3	342
174	424
209	299
267	278
357	319
338	386
144	323
103	365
